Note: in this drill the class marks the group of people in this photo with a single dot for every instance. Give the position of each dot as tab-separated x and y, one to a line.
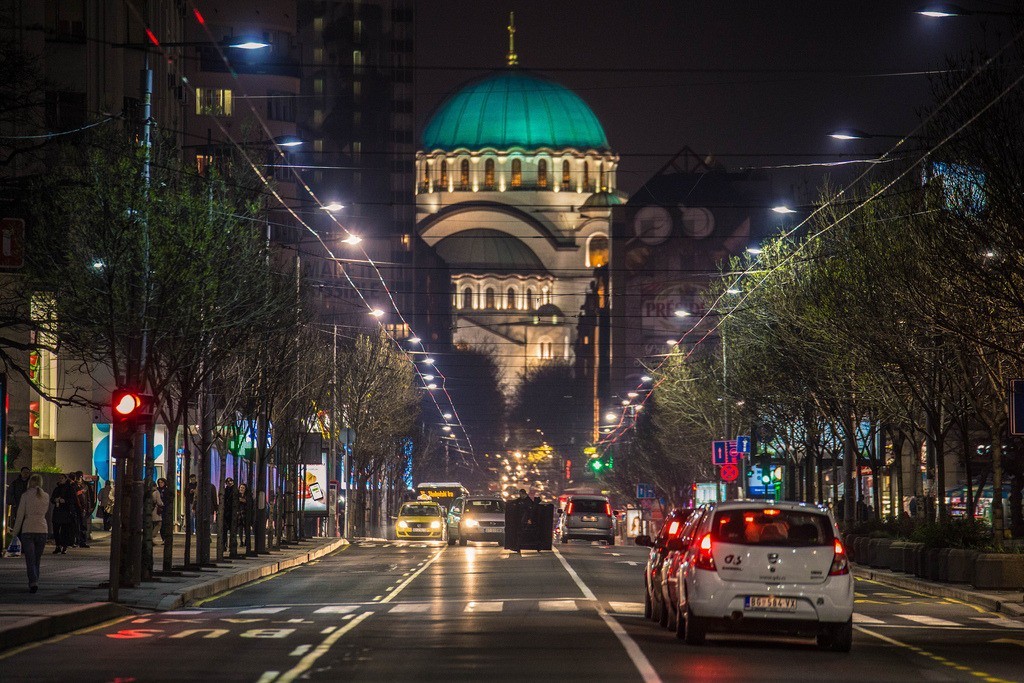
239	506
70	505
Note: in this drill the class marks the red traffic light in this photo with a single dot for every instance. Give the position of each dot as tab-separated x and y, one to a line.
130	405
126	403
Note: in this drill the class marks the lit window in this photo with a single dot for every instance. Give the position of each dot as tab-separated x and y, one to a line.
586	176
517	173
318	55
357	30
467	297
318	24
529	299
204	163
510	298
357	57
318	86
426	172
542	173
213	101
597	251
601	187
566	175
357	150
489	298
464	175
357	88
489	174
444	173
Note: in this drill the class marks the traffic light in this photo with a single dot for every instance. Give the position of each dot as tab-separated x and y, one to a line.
130	409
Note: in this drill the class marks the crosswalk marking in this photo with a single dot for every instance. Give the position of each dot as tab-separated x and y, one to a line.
865	619
336	609
926	620
627	607
557	606
1000	621
263	610
487	606
410	607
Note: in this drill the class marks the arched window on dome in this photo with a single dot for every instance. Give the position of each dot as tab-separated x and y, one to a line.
542	174
586	177
444	174
510	298
597	251
566	175
489	298
489	174
464	175
467	298
529	299
517	173
545	295
601	187
426	172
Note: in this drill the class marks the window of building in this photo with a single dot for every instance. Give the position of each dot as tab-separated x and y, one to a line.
467	297
204	164
281	105
545	350
214	102
357	119
318	24
597	251
318	55
542	174
601	187
566	175
357	151
426	172
357	57
357	30
357	89
586	177
517	173
489	174
489	298
510	298
464	175
444	173
545	295
66	20
529	299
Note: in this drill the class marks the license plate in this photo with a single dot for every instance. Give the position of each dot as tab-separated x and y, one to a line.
769	603
493	530
589	518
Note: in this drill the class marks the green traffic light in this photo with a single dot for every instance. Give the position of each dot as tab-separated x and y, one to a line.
765	479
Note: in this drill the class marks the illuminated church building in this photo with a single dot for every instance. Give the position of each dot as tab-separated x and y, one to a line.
515	184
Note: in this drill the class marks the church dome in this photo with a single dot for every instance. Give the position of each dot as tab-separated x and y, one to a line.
514	108
481	250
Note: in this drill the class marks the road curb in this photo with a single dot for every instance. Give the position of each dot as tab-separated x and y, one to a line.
990	602
64	620
219	585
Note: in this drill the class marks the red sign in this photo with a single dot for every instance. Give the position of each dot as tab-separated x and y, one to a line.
729	472
12	243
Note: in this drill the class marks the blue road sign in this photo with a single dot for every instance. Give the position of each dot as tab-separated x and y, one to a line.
644	491
742	444
719	453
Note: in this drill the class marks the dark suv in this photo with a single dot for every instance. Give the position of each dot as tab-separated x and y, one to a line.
587	517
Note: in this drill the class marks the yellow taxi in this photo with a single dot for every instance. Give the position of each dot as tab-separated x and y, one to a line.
421	519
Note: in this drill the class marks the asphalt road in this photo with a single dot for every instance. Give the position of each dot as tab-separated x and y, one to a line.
394	611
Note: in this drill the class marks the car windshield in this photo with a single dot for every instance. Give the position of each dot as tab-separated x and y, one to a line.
419	510
584	506
772	526
486	506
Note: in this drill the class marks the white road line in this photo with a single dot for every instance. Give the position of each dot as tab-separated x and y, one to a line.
263	610
865	619
267	676
409	580
300	650
627	607
926	620
329	629
336	609
639	659
557	606
485	606
1000	621
410	608
306	663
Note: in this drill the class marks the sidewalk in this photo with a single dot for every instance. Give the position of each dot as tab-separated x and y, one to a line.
1010	603
72	591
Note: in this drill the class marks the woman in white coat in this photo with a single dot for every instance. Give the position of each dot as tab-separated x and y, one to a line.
30	525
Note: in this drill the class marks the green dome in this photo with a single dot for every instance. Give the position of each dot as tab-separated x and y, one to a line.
481	250
513	108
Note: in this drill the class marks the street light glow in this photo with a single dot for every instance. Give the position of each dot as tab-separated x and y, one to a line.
431	386
428	378
680	313
428	361
732	290
447	428
288	141
672	342
754	250
447	416
352	239
646	378
782	208
941	10
250	45
611	417
632	394
333	206
414	340
376	313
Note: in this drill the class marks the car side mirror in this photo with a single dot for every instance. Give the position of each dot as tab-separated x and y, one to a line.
643	540
676	545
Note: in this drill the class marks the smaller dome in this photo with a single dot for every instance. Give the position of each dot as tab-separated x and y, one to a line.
549	309
602	200
481	250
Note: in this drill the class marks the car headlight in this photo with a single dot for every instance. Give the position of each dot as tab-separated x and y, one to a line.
402	524
435	525
470	522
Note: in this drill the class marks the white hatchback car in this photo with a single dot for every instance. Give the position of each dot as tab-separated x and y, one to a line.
756	566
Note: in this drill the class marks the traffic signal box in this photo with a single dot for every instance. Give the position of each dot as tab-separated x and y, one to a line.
131	410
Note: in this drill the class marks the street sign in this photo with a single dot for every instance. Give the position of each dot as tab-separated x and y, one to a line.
645	491
1017	407
729	472
724	453
742	444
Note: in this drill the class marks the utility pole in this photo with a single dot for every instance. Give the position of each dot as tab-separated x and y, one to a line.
332	450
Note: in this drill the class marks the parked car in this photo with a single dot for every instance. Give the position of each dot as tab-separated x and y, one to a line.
762	567
477	518
665	546
587	517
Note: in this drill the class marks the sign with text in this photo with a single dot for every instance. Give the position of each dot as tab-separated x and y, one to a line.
724	453
644	491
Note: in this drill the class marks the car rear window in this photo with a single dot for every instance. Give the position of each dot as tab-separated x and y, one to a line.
420	510
772	526
485	506
584	506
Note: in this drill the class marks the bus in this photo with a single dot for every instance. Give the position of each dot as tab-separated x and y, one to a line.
443	493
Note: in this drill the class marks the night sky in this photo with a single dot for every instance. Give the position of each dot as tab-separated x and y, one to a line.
754	83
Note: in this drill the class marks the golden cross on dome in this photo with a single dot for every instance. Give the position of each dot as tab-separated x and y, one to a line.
513	58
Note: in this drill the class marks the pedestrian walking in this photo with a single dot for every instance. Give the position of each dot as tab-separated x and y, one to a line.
245	510
166	511
227	528
156	515
14	492
107	504
84	504
30	525
190	502
63	516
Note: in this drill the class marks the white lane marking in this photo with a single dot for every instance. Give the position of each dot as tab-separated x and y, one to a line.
329	629
267	677
999	621
295	621
410	608
485	606
627	607
557	606
639	659
865	619
300	650
306	663
409	580
926	620
377	597
185	612
263	610
336	609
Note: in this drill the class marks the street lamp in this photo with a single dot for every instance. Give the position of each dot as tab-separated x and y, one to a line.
732	290
680	313
942	10
858	134
447	416
414	340
352	239
610	417
782	208
754	249
646	378
428	361
332	207
376	313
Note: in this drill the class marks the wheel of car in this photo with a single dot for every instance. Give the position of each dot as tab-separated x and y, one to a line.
836	637
451	541
611	540
501	542
695	629
462	541
565	539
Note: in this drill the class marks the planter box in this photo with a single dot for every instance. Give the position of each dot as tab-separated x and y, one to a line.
920	561
931	568
961	565
942	565
864	550
911	557
994	570
878	548
850	543
896	556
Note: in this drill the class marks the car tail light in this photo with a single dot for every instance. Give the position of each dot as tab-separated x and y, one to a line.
608	509
840	564
568	508
704	558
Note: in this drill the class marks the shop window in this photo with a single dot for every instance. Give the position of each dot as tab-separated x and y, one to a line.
214	102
